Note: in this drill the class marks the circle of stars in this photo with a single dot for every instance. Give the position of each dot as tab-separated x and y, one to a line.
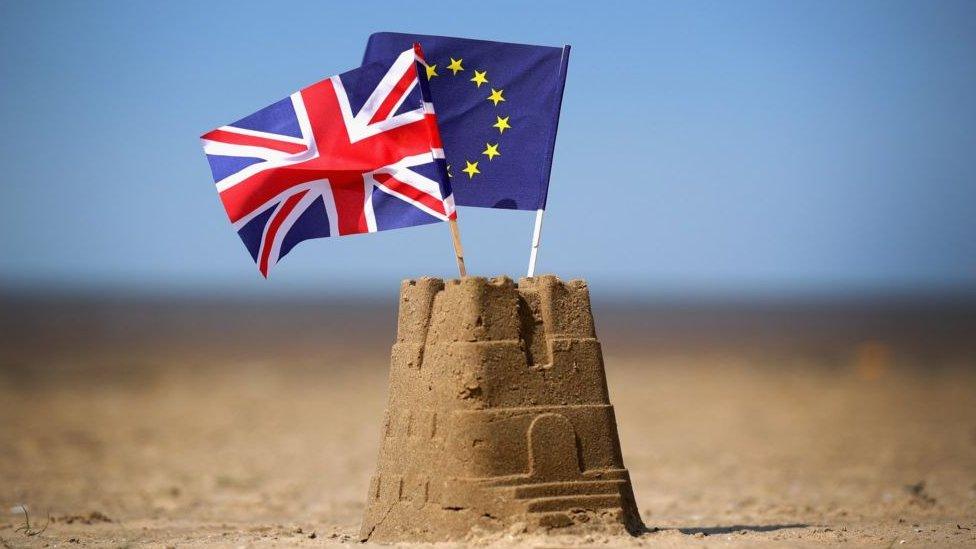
496	97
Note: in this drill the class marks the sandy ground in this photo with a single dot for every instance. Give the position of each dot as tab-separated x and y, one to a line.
184	425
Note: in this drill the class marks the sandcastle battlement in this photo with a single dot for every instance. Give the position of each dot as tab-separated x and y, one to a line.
536	338
498	413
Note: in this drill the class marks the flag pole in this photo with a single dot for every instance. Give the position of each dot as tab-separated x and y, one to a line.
429	111
536	237
458	250
537	232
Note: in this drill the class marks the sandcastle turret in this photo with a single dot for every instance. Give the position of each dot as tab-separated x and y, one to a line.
498	414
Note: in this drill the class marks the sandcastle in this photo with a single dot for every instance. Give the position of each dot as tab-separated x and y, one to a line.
498	416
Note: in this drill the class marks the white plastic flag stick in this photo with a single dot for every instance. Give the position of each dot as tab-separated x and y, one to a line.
536	237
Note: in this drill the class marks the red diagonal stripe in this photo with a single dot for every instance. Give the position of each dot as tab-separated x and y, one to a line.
401	87
273	226
253	141
410	192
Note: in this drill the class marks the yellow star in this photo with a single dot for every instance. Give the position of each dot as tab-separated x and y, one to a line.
455	66
502	124
471	168
496	96
480	77
431	71
491	151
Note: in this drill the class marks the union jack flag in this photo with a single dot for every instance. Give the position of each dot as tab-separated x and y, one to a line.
355	153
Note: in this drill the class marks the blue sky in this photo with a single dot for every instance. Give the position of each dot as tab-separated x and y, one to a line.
704	148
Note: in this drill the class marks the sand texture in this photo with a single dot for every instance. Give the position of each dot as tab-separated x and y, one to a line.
498	417
169	423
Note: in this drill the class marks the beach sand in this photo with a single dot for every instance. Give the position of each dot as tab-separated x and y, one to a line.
185	423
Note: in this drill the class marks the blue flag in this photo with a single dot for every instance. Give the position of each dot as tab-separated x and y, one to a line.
497	107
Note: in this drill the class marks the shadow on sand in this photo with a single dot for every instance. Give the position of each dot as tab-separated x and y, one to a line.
716	530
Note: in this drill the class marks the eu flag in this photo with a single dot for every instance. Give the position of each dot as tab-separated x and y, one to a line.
497	108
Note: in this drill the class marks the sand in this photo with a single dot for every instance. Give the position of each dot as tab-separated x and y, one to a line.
187	424
498	419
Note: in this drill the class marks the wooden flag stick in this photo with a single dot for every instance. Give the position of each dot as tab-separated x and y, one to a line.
458	250
536	237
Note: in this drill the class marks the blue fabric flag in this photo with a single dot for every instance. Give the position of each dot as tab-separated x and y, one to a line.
497	107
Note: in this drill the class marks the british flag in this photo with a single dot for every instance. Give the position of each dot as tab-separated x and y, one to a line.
355	153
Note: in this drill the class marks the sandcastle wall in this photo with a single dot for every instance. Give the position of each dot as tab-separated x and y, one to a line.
498	415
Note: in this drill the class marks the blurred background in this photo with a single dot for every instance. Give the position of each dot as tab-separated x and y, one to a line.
709	149
773	204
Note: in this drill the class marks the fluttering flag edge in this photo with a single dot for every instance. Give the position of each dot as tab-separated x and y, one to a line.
561	78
